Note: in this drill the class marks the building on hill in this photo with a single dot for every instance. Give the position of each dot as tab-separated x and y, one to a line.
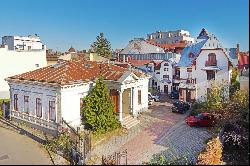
170	37
202	62
44	96
140	49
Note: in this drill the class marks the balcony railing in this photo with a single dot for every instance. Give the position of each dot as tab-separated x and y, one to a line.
191	81
35	120
176	77
211	63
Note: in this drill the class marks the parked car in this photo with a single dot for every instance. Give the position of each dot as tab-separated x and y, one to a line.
154	97
150	100
202	119
180	107
174	95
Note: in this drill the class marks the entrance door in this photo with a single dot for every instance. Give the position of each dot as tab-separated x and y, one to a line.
114	97
188	95
166	89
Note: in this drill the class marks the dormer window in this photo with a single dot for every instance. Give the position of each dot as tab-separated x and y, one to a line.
166	64
190	55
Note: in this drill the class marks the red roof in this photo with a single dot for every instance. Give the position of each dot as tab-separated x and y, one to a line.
168	46
66	72
124	65
243	60
139	62
71	49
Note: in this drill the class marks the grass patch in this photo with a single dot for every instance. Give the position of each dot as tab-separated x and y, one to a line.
100	138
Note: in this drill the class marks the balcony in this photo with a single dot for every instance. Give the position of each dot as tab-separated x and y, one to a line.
191	81
211	63
176	77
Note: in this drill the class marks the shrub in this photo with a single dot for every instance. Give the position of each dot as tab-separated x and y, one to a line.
98	110
212	155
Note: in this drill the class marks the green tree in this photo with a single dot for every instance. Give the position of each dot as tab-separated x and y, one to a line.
235	84
98	110
217	99
102	46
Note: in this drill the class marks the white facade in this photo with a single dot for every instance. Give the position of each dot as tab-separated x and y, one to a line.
15	62
68	98
161	75
170	37
197	80
23	42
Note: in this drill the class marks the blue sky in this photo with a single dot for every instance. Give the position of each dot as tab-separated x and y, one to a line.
62	23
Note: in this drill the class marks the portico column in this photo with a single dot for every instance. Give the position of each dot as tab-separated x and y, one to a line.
120	105
131	100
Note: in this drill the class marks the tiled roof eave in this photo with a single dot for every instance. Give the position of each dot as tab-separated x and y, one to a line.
35	82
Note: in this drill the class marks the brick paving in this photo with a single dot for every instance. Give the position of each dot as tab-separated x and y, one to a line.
159	130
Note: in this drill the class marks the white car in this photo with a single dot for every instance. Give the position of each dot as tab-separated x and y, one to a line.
154	97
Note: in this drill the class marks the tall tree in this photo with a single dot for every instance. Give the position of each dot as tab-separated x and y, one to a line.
102	46
98	110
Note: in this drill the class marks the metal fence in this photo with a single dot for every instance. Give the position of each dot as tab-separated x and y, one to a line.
118	158
81	144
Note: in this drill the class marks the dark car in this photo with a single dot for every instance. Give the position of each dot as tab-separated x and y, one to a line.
174	95
180	107
202	119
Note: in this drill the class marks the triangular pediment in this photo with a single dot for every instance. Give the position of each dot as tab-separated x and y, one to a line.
128	76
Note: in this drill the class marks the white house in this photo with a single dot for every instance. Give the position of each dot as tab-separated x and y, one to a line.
161	72
201	62
44	96
23	42
18	61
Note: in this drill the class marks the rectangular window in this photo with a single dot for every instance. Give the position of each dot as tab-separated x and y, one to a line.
210	75
139	96
26	104
52	111
165	69
15	102
38	107
157	72
166	76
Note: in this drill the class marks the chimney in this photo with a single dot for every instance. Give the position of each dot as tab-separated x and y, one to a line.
238	47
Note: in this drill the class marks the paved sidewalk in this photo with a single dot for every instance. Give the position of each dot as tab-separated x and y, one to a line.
158	131
18	149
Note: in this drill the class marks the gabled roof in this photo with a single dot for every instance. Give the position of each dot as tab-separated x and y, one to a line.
68	72
71	49
140	46
205	40
139	62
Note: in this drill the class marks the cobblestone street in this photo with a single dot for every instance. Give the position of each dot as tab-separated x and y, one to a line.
159	130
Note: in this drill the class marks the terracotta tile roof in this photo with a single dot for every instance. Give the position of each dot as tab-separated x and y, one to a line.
243	60
157	64
124	65
168	46
71	49
138	62
66	72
